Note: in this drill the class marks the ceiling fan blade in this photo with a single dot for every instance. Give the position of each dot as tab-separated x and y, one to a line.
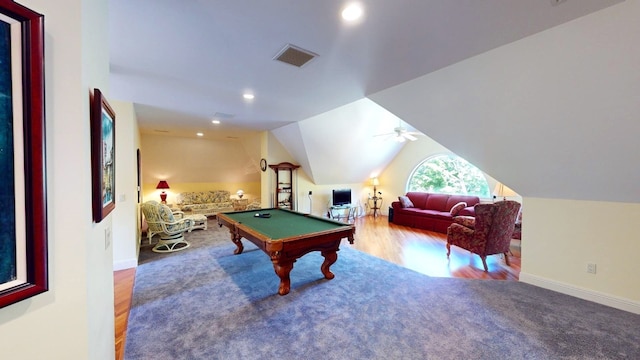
410	137
400	134
386	134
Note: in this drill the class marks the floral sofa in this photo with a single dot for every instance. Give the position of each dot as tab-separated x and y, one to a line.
207	203
430	211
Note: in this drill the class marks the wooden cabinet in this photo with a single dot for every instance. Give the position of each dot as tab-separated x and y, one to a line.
285	185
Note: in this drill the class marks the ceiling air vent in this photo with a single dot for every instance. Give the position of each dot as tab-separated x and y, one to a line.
295	56
222	116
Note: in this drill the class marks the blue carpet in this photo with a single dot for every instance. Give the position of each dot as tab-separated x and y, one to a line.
206	303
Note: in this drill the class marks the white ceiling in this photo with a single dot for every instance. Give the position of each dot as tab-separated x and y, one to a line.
515	87
181	62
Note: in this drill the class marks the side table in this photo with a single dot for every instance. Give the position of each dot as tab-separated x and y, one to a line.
240	204
375	204
343	211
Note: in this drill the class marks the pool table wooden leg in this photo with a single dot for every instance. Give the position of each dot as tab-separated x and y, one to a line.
330	257
283	269
236	240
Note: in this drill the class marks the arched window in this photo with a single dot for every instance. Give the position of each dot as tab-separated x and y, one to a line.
448	174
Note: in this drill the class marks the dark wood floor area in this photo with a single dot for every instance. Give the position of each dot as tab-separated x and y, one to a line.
420	250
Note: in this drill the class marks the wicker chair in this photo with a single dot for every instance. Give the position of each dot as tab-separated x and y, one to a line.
161	221
488	233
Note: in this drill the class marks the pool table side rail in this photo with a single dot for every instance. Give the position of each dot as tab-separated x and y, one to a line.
234	226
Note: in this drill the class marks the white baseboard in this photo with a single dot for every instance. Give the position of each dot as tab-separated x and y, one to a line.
125	264
586	294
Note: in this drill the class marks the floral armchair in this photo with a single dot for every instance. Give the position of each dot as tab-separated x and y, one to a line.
488	233
161	220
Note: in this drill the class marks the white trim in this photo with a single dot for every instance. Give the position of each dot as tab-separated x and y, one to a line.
586	294
125	264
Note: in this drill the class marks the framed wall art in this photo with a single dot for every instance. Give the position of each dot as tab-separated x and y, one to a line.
23	219
103	156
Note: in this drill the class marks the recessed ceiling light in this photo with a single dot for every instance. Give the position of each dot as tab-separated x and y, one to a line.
352	12
200	134
215	122
248	96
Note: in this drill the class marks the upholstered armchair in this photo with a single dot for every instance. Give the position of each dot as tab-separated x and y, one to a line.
489	233
161	221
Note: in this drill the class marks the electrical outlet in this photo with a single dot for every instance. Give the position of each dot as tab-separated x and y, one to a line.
591	268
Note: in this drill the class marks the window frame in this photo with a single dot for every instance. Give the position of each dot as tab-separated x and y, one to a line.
453	156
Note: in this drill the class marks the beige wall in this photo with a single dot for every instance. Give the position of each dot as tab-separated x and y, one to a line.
560	237
197	164
251	190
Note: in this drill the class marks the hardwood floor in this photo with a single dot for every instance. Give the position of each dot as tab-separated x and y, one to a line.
425	251
420	250
123	290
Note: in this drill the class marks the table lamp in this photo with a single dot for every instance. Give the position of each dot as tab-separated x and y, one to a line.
375	182
240	194
163	195
503	191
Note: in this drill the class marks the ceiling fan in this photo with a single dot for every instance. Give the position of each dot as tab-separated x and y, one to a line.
400	134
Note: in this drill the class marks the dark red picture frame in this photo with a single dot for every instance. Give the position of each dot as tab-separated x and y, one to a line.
30	25
103	159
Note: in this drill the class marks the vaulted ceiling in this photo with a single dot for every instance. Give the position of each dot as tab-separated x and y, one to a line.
426	63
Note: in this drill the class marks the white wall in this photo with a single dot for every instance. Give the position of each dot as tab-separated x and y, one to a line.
125	220
559	107
74	319
393	180
334	139
555	117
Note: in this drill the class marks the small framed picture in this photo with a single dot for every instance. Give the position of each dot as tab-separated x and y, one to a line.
103	156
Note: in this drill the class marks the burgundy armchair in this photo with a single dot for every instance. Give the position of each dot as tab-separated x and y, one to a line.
489	233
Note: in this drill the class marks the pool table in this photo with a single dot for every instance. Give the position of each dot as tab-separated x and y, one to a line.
287	235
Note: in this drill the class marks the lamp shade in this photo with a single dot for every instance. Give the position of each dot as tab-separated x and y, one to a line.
163	195
375	181
503	191
162	185
240	193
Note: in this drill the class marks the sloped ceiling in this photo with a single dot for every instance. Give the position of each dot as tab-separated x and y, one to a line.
554	115
343	145
527	113
183	62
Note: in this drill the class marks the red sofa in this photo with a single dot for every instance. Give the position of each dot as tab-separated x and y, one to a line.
431	211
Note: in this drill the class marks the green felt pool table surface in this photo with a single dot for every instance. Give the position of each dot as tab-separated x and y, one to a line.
283	224
286	236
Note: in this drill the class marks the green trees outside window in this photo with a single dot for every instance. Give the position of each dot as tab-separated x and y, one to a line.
448	174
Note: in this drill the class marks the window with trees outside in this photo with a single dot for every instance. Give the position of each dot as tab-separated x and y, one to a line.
448	174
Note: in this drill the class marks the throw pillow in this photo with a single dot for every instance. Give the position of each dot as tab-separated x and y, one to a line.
405	202
467	221
457	207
